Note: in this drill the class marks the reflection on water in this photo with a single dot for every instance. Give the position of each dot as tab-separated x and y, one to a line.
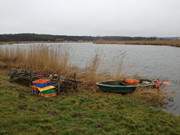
161	62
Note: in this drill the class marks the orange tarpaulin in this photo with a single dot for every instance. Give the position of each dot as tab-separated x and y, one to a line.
41	81
131	81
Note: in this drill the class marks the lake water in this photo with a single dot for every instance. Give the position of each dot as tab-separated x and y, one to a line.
161	62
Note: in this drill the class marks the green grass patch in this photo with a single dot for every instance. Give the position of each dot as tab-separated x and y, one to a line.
81	113
4	43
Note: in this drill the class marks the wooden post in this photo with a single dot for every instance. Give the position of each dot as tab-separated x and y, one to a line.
58	83
30	83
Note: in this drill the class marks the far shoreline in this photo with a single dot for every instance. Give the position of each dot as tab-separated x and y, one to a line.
171	43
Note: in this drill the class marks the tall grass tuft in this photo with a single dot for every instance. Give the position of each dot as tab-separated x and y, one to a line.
40	58
154	96
91	74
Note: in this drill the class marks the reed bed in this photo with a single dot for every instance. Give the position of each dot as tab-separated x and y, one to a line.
44	58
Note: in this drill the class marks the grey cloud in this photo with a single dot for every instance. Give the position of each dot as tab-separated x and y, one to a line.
91	17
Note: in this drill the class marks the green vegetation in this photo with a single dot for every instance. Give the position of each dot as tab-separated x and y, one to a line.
79	113
30	37
4	43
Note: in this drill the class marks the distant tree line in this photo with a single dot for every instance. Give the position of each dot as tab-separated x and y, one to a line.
56	38
42	37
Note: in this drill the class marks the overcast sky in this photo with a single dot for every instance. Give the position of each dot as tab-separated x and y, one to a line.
91	17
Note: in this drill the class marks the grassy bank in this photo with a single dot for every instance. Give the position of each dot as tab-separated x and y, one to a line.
85	112
81	113
175	43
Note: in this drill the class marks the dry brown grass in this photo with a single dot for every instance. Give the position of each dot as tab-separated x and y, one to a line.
36	58
159	42
153	96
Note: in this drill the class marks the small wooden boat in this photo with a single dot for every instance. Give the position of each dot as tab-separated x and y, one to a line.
122	87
